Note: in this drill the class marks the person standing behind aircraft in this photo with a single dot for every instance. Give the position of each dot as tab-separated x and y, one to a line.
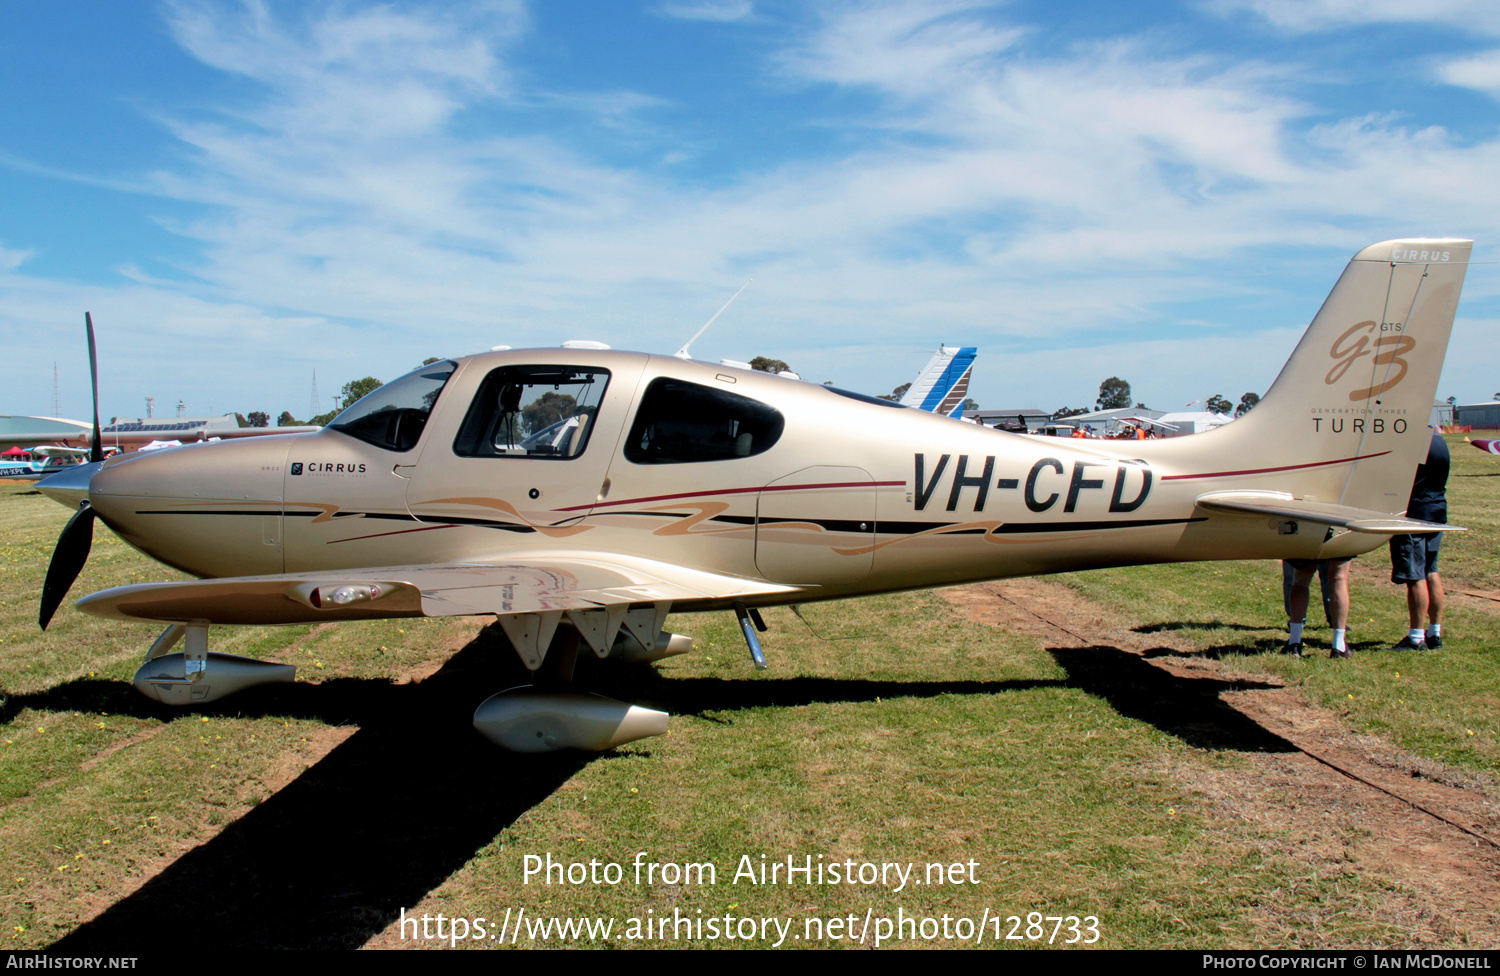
1337	605
1414	557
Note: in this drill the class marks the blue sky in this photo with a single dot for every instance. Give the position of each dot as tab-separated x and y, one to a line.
244	192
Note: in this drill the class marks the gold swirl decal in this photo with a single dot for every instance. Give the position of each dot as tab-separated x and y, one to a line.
500	505
705	511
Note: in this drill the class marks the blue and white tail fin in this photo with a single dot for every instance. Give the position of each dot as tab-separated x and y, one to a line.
943	384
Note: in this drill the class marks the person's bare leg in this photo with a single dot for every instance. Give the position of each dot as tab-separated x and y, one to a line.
1339	602
1338	606
1435	600
1301	585
1416	604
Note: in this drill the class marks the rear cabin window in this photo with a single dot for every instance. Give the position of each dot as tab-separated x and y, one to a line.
533	412
680	423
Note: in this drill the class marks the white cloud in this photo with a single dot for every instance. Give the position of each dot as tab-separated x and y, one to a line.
715	10
906	48
159	341
11	259
1481	72
374	46
1317	15
1108	155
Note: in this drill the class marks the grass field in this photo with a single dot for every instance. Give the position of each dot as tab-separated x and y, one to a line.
314	814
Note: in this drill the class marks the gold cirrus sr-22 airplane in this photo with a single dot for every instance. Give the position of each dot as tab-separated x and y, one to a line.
579	495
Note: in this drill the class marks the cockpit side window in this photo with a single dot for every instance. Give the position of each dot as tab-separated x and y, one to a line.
680	422
533	412
394	416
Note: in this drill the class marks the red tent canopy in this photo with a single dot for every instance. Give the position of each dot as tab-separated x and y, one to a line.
13	452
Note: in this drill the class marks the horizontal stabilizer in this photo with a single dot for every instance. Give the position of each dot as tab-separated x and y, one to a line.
533	584
1278	505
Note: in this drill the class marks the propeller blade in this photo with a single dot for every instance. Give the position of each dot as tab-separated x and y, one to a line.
96	453
67	562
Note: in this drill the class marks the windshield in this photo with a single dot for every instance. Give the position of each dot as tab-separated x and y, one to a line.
393	416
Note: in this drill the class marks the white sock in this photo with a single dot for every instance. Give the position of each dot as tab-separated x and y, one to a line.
1436	630
1338	640
1416	635
1297	633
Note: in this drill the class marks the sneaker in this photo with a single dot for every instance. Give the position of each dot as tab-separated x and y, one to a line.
1295	650
1344	653
1434	642
1407	644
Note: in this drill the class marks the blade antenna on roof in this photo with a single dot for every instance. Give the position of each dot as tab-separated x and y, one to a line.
683	352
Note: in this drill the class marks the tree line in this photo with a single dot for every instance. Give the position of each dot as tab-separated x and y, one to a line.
1114	394
349	394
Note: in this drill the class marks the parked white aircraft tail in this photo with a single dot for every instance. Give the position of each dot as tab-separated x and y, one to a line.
943	384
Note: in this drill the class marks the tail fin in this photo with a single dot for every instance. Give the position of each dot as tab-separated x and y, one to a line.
1347	418
943	383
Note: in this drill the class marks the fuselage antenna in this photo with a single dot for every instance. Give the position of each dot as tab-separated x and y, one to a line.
683	352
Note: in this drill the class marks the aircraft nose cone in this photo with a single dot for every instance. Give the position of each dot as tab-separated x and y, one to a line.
70	486
208	509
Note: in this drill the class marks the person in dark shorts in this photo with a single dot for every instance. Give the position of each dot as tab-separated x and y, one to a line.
1414	558
1337	605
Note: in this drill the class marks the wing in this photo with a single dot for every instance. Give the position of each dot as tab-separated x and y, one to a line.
530	595
1283	506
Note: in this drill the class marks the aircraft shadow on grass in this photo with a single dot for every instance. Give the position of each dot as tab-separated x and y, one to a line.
1261	645
388	815
1243	647
1265	645
1172	625
1188	708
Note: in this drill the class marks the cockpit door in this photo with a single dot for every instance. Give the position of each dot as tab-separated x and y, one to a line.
528	449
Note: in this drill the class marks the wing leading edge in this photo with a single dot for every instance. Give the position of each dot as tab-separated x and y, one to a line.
601	598
532	584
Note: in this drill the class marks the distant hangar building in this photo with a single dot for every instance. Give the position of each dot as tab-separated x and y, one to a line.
130	433
127	433
172	428
1485	416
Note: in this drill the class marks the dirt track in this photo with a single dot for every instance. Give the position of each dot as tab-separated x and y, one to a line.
1310	788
